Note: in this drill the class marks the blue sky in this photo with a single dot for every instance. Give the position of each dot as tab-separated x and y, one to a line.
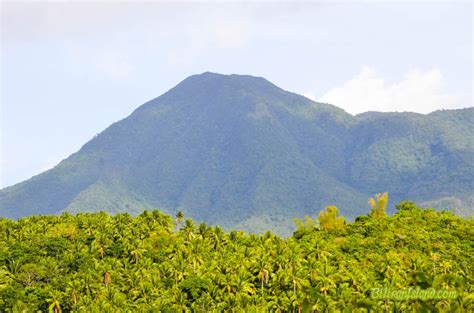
68	70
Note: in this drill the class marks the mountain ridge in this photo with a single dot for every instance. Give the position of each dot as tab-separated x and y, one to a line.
240	151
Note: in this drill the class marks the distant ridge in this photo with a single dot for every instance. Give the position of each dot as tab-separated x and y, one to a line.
239	151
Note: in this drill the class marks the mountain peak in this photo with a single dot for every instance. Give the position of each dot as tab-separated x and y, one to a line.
208	88
238	151
227	78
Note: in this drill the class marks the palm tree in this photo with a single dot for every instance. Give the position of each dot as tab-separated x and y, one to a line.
54	300
74	289
179	218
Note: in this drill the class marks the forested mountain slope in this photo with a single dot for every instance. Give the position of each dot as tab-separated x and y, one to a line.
239	151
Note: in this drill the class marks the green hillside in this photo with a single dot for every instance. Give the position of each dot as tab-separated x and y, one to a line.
152	263
240	152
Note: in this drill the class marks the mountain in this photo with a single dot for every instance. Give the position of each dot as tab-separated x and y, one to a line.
241	152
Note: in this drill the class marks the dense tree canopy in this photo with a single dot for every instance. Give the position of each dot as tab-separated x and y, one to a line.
99	262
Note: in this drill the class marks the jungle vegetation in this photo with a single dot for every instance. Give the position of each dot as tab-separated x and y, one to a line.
96	262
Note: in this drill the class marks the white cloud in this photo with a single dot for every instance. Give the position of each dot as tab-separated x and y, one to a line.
418	91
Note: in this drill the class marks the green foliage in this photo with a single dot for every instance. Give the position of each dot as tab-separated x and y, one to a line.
95	262
330	220
194	286
379	205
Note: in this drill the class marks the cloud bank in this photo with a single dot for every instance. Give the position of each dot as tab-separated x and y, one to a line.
418	91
